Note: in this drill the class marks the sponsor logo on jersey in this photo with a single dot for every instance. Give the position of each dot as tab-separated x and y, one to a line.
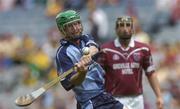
126	65
116	57
136	56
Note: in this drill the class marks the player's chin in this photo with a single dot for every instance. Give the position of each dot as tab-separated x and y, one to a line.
126	37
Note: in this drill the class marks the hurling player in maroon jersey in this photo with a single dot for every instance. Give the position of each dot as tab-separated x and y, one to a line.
124	61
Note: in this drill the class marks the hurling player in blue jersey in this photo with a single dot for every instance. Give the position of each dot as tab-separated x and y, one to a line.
87	81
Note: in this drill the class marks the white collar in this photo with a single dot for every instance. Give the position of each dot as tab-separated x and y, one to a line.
117	43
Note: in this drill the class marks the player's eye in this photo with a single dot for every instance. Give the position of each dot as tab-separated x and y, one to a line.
74	23
128	24
67	25
121	24
78	22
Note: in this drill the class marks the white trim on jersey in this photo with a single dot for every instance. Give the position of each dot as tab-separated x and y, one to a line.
138	49
118	44
91	41
150	69
61	71
115	51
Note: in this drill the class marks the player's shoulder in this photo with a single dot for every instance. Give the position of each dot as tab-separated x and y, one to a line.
108	44
88	36
141	44
61	50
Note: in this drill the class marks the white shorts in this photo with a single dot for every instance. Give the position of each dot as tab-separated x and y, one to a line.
132	102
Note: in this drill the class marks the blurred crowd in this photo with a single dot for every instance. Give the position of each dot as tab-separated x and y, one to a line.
52	6
25	64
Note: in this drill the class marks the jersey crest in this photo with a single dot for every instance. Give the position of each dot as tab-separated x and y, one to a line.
136	56
116	57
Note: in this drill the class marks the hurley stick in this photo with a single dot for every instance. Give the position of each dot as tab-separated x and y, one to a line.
27	99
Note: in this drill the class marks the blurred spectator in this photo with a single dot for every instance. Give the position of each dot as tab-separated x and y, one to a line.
47	100
64	99
53	7
177	51
113	2
59	103
28	4
1	107
6	5
162	16
25	50
131	9
8	46
74	4
52	44
175	91
33	55
98	22
169	55
50	48
5	62
175	14
167	97
140	35
169	75
41	61
41	2
28	78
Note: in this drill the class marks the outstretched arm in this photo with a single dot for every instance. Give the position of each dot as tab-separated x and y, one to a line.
82	66
156	88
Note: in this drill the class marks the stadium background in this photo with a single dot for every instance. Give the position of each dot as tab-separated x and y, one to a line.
29	39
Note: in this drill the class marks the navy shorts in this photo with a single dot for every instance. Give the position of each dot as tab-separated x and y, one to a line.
104	101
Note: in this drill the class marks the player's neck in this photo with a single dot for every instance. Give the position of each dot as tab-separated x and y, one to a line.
124	42
75	42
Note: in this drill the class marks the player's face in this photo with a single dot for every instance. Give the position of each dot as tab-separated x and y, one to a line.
124	30
73	29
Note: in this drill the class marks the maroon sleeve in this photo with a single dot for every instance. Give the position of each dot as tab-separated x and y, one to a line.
102	58
148	64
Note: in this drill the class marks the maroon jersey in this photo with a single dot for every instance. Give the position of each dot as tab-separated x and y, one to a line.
124	67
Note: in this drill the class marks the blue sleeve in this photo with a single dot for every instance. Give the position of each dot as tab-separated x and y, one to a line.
64	63
89	41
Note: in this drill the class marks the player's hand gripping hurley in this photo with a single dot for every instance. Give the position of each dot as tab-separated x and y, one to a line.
27	99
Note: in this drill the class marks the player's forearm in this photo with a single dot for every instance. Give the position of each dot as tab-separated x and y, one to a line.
78	78
82	66
155	84
93	50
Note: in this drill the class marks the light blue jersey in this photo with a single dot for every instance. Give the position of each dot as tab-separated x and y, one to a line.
67	55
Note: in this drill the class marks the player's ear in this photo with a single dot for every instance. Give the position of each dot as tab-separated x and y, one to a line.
62	31
133	29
